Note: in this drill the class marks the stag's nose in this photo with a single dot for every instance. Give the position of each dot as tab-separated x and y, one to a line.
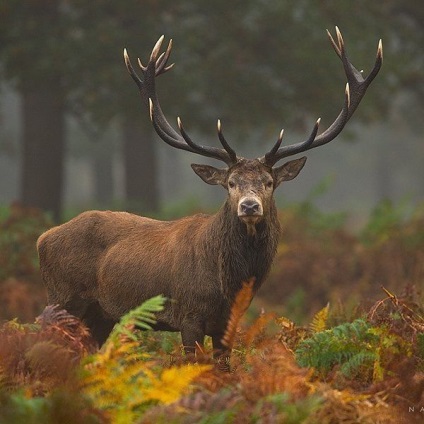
250	207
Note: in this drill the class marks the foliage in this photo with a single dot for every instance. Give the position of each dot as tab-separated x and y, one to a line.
360	366
123	379
387	220
367	350
19	230
141	317
63	406
356	372
21	293
241	303
356	347
318	260
267	384
319	321
42	356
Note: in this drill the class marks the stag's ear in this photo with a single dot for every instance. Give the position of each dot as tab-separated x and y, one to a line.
210	175
289	170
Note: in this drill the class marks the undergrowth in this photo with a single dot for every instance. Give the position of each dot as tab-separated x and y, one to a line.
346	363
318	260
367	370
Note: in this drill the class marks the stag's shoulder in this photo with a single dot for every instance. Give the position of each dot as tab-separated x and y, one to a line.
194	221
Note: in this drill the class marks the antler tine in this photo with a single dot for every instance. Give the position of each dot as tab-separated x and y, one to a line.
273	155
355	90
187	138
339	38
306	144
224	155
144	68
131	71
378	62
163	60
268	156
165	136
334	44
156	66
156	49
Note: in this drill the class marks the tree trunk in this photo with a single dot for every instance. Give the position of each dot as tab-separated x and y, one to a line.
141	167
43	113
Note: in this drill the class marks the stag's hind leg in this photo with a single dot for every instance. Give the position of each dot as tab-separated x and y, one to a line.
192	334
93	316
99	324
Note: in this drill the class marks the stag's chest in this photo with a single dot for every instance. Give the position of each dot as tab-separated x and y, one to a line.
252	258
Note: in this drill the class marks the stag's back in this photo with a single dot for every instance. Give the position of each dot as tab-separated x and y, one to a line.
118	259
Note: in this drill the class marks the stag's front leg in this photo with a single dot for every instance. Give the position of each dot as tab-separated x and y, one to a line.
192	334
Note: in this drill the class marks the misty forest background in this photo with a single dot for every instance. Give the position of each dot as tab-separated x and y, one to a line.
336	334
74	134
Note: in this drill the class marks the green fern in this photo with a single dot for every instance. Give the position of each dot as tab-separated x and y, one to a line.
420	350
349	345
62	406
141	317
420	345
280	407
361	363
362	351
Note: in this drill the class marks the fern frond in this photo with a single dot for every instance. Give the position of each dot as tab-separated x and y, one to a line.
142	317
173	383
319	321
58	322
240	305
116	377
112	379
358	362
52	315
336	346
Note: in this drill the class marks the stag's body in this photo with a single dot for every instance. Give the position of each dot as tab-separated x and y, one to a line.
106	263
100	265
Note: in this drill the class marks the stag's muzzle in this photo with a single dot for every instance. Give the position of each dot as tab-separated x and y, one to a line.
250	211
250	207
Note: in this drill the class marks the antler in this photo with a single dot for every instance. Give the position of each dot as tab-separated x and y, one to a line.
156	66
355	90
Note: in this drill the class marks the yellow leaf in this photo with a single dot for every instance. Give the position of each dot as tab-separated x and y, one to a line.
173	383
319	321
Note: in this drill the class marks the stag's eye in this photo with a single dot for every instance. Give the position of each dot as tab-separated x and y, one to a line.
269	184
231	184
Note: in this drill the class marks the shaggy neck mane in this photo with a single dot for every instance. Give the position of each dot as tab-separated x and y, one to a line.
241	257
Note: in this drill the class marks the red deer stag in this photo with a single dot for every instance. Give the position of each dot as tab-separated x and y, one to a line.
100	265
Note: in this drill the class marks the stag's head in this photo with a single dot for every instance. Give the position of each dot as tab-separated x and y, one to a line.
250	182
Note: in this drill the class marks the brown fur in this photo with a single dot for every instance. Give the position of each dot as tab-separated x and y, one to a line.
100	265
